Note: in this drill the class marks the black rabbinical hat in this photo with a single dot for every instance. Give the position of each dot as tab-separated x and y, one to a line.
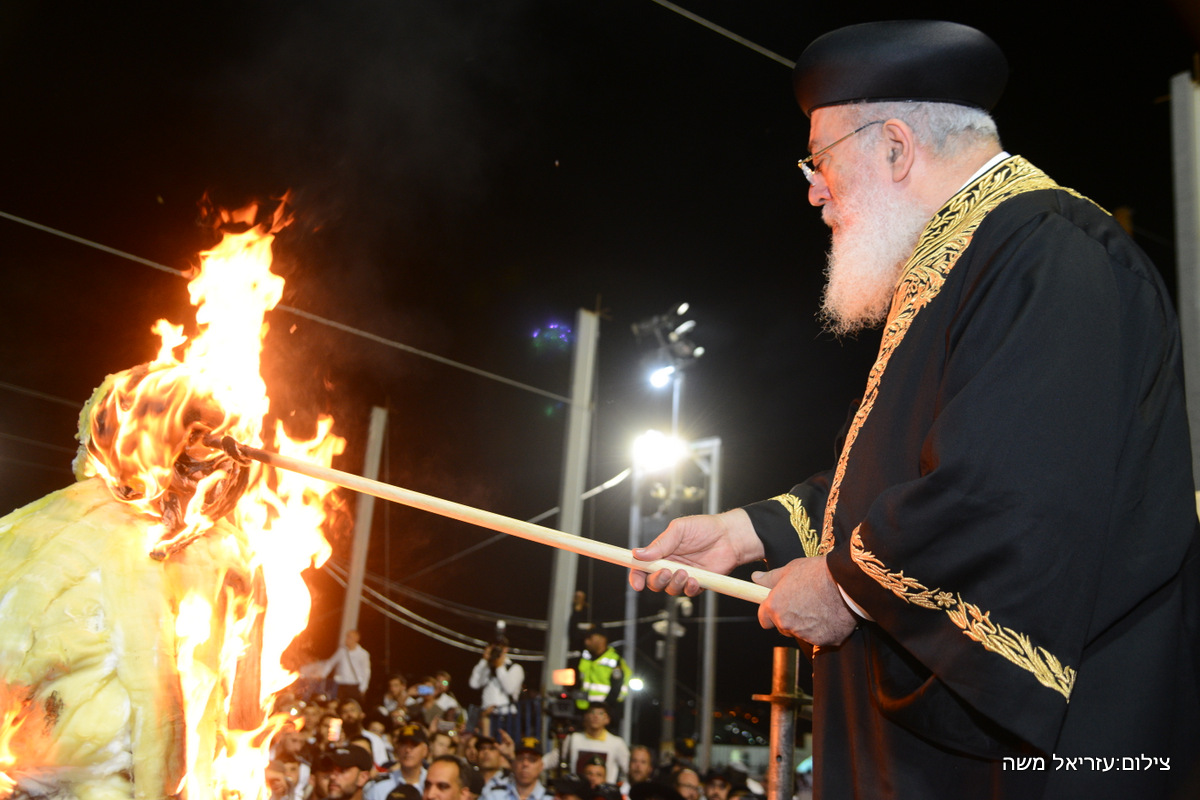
916	60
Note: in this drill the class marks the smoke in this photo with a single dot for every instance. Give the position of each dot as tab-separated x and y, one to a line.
383	102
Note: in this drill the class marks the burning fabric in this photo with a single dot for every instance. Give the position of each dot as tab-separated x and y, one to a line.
144	609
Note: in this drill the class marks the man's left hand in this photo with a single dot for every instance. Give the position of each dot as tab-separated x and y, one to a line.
506	745
805	603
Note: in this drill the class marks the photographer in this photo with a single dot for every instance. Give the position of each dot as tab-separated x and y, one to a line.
500	680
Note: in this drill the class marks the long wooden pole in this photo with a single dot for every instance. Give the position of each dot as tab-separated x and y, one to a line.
722	584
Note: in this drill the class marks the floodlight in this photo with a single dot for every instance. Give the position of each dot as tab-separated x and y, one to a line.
661	376
654	451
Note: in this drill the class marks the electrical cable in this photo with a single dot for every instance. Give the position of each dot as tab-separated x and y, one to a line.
41	395
296	312
712	26
44	445
590	493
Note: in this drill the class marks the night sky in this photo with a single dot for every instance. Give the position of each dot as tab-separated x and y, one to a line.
466	174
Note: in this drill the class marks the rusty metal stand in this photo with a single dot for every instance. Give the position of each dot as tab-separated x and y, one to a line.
786	700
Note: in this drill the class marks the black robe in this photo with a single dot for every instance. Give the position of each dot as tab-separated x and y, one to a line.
1013	507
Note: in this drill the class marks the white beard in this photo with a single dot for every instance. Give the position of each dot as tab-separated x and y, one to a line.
867	256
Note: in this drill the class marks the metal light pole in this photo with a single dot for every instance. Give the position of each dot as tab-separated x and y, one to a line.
707	453
562	585
635	541
675	351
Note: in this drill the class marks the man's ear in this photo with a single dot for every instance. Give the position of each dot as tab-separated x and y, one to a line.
901	146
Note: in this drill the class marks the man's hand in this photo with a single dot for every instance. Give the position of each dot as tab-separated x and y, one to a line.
506	745
715	542
805	603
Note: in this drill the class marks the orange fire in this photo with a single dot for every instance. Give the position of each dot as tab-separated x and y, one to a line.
145	436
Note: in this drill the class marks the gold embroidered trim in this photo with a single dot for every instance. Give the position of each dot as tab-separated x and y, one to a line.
944	239
974	623
801	522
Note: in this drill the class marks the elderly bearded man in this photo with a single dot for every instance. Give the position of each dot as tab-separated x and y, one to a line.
1000	573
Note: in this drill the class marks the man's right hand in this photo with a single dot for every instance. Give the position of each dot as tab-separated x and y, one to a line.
715	542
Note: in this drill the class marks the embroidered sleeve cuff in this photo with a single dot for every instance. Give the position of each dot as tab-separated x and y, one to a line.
789	525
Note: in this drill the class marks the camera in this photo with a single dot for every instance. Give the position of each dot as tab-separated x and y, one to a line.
562	707
494	649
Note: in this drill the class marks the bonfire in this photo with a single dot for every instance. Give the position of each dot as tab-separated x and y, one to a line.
144	610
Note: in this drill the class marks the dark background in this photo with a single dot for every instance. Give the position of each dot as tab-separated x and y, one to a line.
464	175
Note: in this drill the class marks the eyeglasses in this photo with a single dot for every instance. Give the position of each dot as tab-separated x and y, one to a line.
811	172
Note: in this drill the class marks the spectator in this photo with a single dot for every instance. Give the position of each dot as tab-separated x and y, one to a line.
571	787
431	703
289	752
412	747
350	666
443	743
319	779
641	765
468	748
500	680
488	760
395	699
717	784
349	768
310	715
289	740
404	792
602	671
330	734
595	771
524	783
687	783
449	778
446	701
352	722
277	781
593	740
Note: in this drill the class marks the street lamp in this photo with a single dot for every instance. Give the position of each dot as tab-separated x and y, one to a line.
653	452
671	332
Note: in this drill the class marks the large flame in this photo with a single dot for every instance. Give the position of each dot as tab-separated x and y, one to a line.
148	435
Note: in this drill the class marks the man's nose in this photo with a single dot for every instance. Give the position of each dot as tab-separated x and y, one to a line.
818	191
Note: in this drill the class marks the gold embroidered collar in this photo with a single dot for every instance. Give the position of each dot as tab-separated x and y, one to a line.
945	238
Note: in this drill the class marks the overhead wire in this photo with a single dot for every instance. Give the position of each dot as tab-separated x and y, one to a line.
33	442
712	26
362	334
12	387
590	493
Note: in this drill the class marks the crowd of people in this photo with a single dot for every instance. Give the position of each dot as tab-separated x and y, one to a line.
416	740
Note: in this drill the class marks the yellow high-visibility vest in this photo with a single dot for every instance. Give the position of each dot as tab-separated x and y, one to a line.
595	676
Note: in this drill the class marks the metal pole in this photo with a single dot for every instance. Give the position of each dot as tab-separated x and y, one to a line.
570	517
670	658
667	735
708	675
784	699
363	517
631	602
